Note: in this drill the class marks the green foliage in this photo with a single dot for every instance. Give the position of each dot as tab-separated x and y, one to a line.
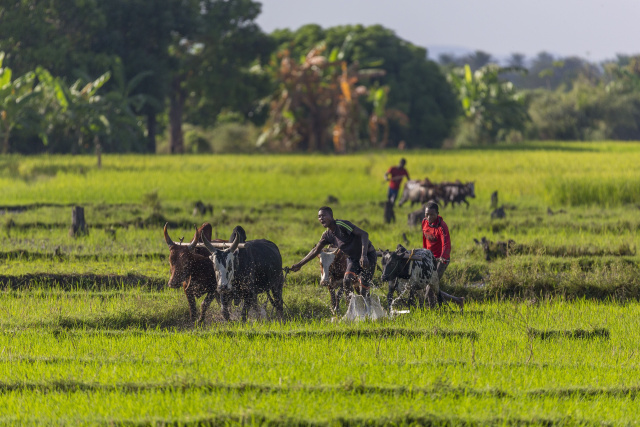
17	104
589	112
492	107
417	87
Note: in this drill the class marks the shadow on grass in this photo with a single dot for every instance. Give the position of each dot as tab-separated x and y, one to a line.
596	333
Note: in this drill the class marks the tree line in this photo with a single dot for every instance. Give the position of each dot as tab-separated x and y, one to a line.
200	75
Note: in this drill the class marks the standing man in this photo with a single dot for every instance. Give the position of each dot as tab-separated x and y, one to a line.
354	242
435	237
394	175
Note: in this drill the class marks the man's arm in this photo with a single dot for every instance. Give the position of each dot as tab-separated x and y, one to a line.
446	242
364	238
314	253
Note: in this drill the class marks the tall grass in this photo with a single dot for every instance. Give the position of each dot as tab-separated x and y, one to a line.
603	190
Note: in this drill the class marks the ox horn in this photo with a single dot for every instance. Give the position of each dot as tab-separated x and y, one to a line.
166	236
194	242
234	244
207	243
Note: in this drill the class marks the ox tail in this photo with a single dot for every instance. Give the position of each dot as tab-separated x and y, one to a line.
270	297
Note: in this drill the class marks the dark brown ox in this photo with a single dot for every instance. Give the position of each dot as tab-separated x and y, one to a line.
192	269
333	265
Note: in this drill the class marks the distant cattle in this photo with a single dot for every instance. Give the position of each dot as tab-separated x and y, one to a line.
445	192
457	192
333	265
411	274
245	273
414	192
192	269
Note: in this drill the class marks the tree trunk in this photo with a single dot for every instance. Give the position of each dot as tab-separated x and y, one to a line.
152	125
78	225
176	107
5	141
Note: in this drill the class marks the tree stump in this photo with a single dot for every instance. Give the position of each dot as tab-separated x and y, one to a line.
78	225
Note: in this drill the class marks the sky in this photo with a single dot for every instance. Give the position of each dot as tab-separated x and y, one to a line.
592	29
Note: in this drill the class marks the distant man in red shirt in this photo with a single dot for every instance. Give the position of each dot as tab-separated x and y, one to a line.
394	175
435	237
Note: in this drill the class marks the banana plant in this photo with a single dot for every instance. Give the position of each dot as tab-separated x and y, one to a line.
316	102
381	115
83	110
15	97
491	105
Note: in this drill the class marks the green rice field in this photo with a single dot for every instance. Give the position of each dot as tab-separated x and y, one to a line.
90	334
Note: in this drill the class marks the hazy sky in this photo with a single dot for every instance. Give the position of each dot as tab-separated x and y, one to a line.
592	29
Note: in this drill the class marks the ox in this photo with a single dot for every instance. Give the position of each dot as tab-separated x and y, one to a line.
421	192
413	192
247	272
458	192
192	269
411	272
333	266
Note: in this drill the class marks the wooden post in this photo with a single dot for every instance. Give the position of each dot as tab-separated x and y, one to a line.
78	225
96	142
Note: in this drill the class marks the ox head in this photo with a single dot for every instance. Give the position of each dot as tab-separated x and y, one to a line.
393	263
180	259
326	259
225	263
471	189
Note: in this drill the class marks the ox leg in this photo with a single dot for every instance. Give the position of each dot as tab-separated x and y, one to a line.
392	288
224	303
205	305
349	284
339	293
246	306
278	303
334	300
412	297
193	310
431	297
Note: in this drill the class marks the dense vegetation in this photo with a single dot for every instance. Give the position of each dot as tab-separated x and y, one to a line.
203	77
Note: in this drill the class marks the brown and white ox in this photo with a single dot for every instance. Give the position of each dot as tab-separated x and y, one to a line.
333	265
192	270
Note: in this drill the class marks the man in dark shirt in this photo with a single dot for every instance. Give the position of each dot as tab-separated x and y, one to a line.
394	175
354	242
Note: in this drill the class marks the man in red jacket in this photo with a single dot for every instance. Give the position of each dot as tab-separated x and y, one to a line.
435	237
394	175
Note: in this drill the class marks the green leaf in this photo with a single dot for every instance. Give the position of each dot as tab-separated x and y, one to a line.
467	74
5	76
333	57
